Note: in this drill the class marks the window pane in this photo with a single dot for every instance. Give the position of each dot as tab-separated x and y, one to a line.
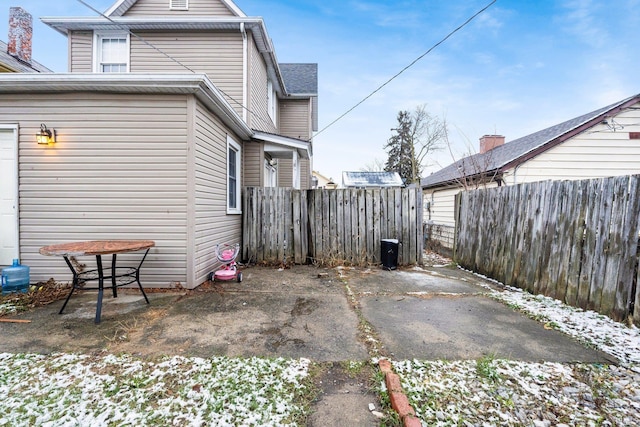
113	54
233	181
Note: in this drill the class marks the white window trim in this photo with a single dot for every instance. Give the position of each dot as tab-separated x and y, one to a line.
296	170
270	173
97	48
272	101
172	5
233	145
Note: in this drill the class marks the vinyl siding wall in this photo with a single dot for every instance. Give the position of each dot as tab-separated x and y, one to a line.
212	224
285	173
305	174
597	153
118	171
218	55
161	8
295	118
259	118
253	157
81	52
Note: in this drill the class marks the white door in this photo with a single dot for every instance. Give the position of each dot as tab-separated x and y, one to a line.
8	195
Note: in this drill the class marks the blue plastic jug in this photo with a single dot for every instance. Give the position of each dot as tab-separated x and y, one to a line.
15	278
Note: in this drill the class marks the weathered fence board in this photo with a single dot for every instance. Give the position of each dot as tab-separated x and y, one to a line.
331	226
576	241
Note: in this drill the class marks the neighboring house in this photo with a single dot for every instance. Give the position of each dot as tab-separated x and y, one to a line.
321	181
169	109
603	143
371	180
15	56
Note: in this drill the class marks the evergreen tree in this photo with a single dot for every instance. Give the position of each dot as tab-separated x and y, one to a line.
417	135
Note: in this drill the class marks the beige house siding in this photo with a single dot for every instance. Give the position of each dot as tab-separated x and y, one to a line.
305	174
259	118
285	173
295	118
109	176
218	55
212	224
81	52
161	8
253	156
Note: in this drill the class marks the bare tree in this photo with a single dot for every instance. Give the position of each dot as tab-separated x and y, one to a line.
474	170
376	165
418	134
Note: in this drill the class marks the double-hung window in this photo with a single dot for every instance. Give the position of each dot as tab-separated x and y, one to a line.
111	52
234	161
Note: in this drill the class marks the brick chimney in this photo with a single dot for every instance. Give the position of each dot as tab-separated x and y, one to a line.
488	142
20	32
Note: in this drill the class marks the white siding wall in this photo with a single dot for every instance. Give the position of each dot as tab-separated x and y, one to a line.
212	224
441	205
597	153
161	7
259	117
118	171
81	52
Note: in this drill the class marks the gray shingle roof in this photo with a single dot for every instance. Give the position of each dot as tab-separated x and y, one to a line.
18	65
371	179
519	150
300	79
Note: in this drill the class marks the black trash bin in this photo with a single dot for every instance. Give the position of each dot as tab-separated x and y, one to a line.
389	253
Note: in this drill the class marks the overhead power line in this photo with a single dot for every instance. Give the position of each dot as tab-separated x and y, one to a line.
407	67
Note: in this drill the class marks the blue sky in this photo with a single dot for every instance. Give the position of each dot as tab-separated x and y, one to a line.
519	67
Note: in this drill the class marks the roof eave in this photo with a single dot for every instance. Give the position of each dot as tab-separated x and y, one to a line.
304	148
231	23
569	134
196	84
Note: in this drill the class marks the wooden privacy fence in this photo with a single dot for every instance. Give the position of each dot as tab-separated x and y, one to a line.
576	241
330	226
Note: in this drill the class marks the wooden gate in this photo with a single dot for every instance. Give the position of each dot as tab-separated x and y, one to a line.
330	227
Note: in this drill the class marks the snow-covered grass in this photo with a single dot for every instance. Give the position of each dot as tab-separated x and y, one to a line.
489	391
82	390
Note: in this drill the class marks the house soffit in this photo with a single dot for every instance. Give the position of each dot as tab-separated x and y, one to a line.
282	146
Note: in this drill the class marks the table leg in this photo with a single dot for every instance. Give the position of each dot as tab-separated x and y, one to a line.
74	283
100	288
113	276
138	276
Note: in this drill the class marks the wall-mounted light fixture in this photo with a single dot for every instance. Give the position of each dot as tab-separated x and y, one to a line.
46	136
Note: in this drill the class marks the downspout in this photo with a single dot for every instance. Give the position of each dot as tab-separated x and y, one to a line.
244	72
515	174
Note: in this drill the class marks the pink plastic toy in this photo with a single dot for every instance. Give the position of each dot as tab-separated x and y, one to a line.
229	271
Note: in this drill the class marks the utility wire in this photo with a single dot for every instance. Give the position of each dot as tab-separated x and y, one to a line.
172	59
407	67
